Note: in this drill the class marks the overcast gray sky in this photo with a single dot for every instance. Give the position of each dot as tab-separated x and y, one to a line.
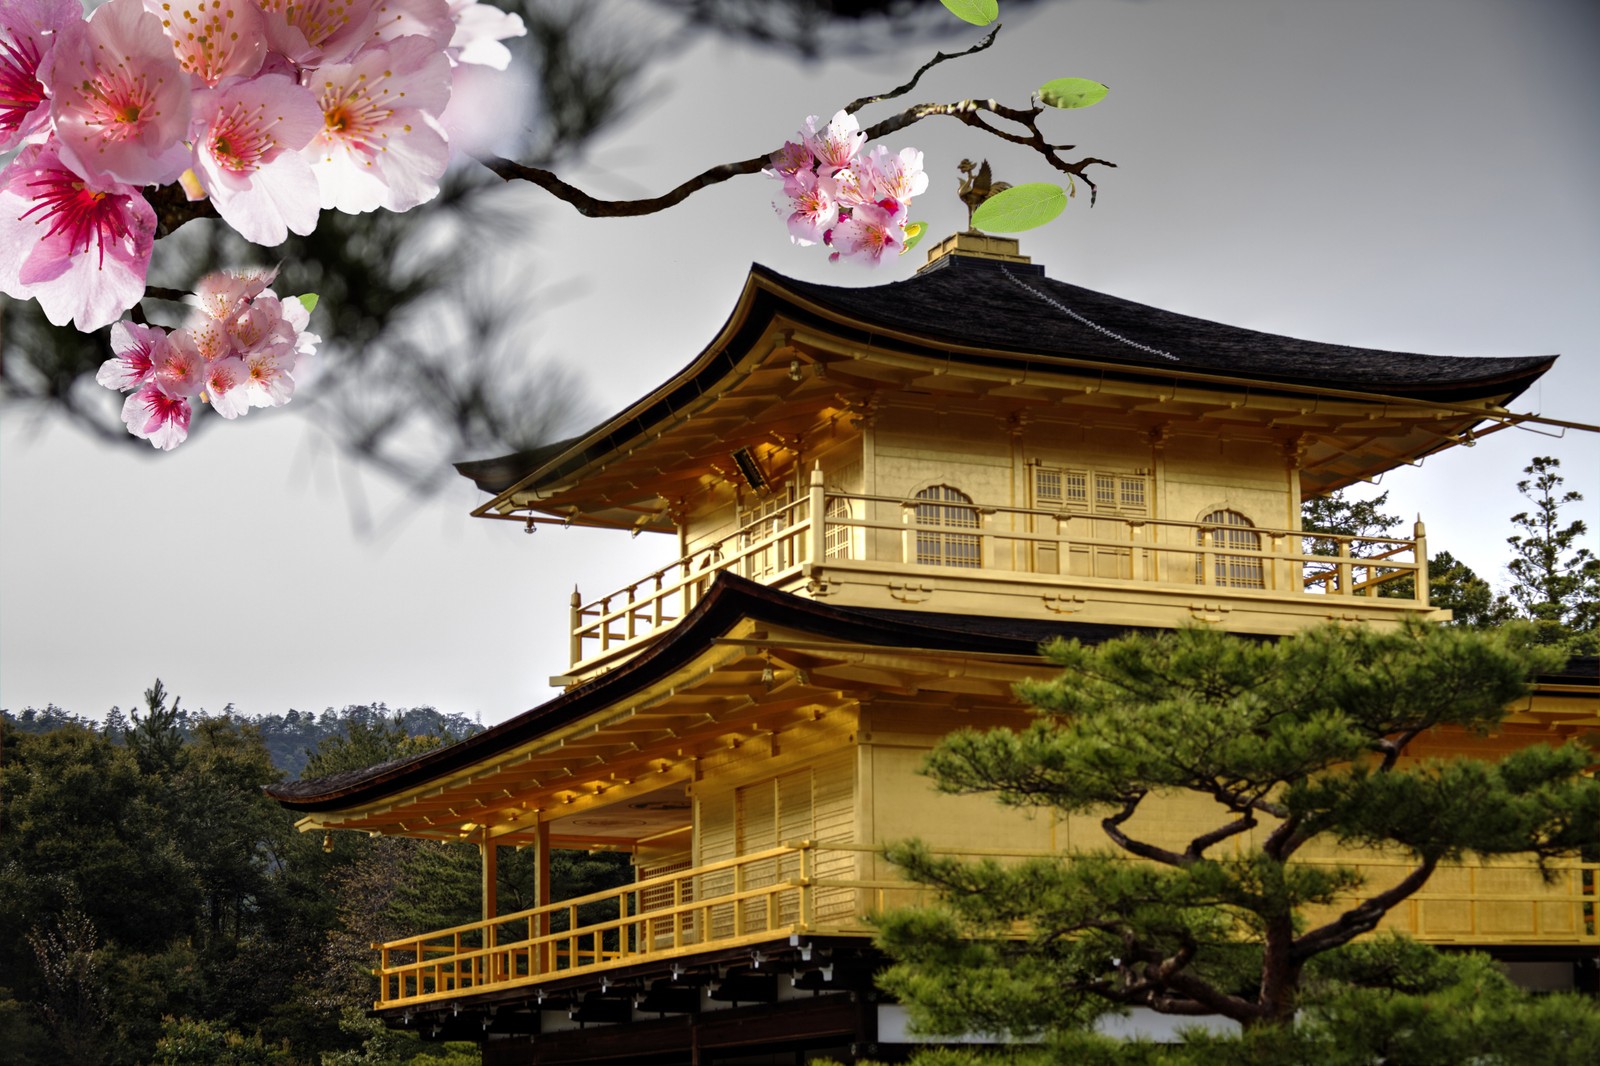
1410	174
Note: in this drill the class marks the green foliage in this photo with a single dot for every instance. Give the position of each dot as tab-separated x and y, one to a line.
1555	581
1019	208
191	1042
382	1046
154	879
1291	741
156	739
915	231
1072	92
1470	599
977	12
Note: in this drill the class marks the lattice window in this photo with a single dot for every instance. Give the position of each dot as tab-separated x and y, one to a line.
947	508
1232	530
815	803
762	519
1096	491
1104	497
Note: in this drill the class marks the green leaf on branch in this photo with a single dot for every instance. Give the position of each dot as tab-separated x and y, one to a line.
1019	208
308	300
977	12
1072	92
915	231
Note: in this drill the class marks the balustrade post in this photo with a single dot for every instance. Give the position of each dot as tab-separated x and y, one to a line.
1208	557
816	540
576	615
1420	556
806	902
1342	568
657	604
738	903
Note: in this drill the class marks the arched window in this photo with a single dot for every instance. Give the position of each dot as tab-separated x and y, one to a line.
944	508
1230	529
835	537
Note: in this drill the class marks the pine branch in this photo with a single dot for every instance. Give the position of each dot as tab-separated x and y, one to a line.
1363	918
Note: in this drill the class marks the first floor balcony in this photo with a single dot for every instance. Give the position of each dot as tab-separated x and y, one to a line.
941	552
810	889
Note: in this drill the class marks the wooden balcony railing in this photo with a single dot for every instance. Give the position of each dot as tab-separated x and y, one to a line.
809	887
860	533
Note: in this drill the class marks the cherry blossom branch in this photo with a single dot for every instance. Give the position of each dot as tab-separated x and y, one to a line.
969	112
938	57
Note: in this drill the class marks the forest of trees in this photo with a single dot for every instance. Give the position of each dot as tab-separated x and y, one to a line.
156	906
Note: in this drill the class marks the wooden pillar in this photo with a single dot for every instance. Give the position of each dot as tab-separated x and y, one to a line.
541	873
489	869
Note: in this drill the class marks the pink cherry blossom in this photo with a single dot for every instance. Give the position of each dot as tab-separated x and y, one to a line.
120	101
155	415
180	367
788	161
225	293
479	29
270	382
209	337
869	233
835	144
413	18
213	39
379	145
314	32
857	182
136	349
81	248
816	207
28	31
247	154
225	387
898	177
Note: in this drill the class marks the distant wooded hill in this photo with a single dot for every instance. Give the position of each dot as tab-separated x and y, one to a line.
290	738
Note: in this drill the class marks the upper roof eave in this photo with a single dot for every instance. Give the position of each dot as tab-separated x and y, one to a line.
993	340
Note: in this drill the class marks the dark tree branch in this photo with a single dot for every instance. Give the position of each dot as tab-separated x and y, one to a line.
939	57
1112	824
1197	847
1362	918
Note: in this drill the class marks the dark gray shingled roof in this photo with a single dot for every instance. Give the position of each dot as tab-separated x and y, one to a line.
1017	315
1017	308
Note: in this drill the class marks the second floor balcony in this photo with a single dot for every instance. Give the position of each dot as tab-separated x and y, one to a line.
943	552
808	888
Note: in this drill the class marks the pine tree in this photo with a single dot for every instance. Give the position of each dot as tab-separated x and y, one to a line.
1295	743
1556	581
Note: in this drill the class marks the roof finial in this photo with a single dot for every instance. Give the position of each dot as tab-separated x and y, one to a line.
977	187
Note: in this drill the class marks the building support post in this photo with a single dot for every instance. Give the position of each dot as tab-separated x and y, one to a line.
489	868
541	876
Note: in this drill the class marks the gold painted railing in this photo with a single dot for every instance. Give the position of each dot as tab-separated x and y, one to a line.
856	531
807	887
